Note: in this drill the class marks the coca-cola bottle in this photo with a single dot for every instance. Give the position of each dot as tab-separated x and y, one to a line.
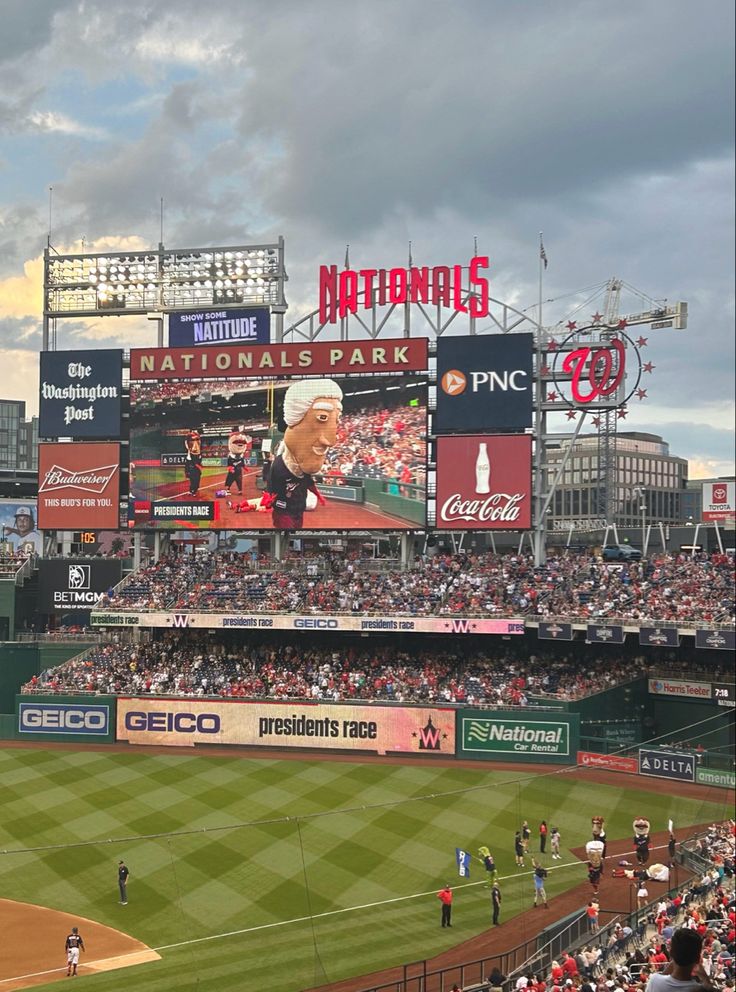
482	470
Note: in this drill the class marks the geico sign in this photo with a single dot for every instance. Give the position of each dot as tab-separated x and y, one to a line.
63	719
316	623
173	723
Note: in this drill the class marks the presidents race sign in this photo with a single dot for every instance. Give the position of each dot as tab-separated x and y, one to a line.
427	731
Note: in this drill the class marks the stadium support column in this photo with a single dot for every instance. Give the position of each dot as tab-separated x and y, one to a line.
540	432
407	543
45	326
136	551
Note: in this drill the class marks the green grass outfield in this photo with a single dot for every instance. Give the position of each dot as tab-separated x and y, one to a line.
266	880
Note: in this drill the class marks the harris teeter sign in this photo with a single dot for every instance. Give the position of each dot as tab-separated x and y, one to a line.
506	736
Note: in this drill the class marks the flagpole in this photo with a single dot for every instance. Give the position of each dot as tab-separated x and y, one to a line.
540	429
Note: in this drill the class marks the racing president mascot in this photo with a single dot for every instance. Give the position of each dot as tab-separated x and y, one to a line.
312	409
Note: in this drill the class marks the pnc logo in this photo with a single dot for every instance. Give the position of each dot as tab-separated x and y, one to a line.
453	382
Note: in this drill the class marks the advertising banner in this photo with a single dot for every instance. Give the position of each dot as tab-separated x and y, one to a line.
484	482
81	394
719	502
257	361
554	631
681	687
724	693
66	718
288	621
78	486
429	731
250	325
484	383
65	585
659	637
667	764
353	455
18	522
611	762
714	776
510	736
597	633
715	640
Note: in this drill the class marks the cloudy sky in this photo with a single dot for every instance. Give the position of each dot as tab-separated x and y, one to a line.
609	126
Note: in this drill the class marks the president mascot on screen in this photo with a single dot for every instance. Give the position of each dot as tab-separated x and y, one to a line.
312	410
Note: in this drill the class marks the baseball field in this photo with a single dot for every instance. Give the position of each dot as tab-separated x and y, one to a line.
282	874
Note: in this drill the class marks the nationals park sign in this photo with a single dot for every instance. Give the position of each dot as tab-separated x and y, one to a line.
248	361
509	736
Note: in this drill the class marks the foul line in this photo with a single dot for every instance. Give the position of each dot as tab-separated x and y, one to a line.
306	919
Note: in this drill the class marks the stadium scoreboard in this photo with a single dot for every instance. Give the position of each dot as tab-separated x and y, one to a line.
724	693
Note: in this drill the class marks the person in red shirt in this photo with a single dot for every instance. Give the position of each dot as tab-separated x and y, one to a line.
569	966
445	897
542	836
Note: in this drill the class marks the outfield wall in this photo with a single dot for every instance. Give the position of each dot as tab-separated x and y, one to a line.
378	728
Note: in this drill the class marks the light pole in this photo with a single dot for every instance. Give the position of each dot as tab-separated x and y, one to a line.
642	494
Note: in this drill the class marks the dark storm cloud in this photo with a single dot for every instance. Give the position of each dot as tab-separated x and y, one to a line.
609	126
694	439
27	26
420	107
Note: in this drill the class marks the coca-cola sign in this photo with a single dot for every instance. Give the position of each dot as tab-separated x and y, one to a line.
79	486
484	482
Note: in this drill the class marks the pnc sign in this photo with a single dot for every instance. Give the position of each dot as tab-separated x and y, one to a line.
344	292
484	383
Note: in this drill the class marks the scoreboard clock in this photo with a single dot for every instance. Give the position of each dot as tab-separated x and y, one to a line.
724	693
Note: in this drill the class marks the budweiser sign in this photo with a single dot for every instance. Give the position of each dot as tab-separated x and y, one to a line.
95	480
79	486
484	482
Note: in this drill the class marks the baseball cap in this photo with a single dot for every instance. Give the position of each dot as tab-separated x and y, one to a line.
75	929
24	511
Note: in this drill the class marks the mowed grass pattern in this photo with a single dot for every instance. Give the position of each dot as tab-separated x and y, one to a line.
324	838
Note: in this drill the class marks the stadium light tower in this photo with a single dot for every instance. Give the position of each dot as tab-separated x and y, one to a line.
161	281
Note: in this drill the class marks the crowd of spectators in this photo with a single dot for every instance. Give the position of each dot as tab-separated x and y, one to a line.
624	958
207	664
381	444
663	588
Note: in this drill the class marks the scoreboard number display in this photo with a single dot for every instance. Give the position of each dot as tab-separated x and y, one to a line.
724	693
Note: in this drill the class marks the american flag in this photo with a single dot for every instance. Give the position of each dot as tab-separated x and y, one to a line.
542	253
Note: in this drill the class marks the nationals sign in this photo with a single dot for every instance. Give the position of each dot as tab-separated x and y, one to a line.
484	482
78	486
340	293
596	374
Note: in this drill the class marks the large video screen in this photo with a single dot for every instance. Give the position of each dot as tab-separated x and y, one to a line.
340	452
